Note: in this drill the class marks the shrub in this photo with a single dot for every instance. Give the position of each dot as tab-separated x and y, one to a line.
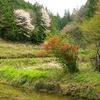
65	53
40	54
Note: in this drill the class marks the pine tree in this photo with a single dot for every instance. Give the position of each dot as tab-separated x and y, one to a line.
66	18
91	7
38	35
7	20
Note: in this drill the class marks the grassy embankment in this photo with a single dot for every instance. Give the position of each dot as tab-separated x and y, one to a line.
16	50
45	74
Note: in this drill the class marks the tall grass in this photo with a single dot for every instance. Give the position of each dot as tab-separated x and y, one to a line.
15	50
21	76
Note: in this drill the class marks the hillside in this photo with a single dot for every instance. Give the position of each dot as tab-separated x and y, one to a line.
22	21
45	52
20	68
10	49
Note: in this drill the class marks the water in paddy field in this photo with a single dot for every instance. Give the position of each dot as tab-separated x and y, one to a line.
12	93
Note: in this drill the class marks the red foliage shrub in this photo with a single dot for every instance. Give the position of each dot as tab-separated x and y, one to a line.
65	53
40	54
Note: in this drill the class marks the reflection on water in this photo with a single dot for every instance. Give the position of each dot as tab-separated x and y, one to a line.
11	93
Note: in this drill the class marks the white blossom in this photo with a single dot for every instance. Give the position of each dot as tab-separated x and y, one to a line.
22	14
45	17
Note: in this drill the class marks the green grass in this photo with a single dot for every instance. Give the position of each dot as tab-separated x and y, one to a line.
12	72
29	63
86	54
85	83
85	76
27	78
19	69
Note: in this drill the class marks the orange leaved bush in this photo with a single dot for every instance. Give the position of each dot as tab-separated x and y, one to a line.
65	53
52	41
46	46
40	54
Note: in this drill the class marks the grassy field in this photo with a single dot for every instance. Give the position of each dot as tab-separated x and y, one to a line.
16	50
45	74
85	83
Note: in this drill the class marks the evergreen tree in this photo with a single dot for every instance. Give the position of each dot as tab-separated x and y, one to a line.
7	20
91	7
58	22
10	29
66	18
53	27
38	35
